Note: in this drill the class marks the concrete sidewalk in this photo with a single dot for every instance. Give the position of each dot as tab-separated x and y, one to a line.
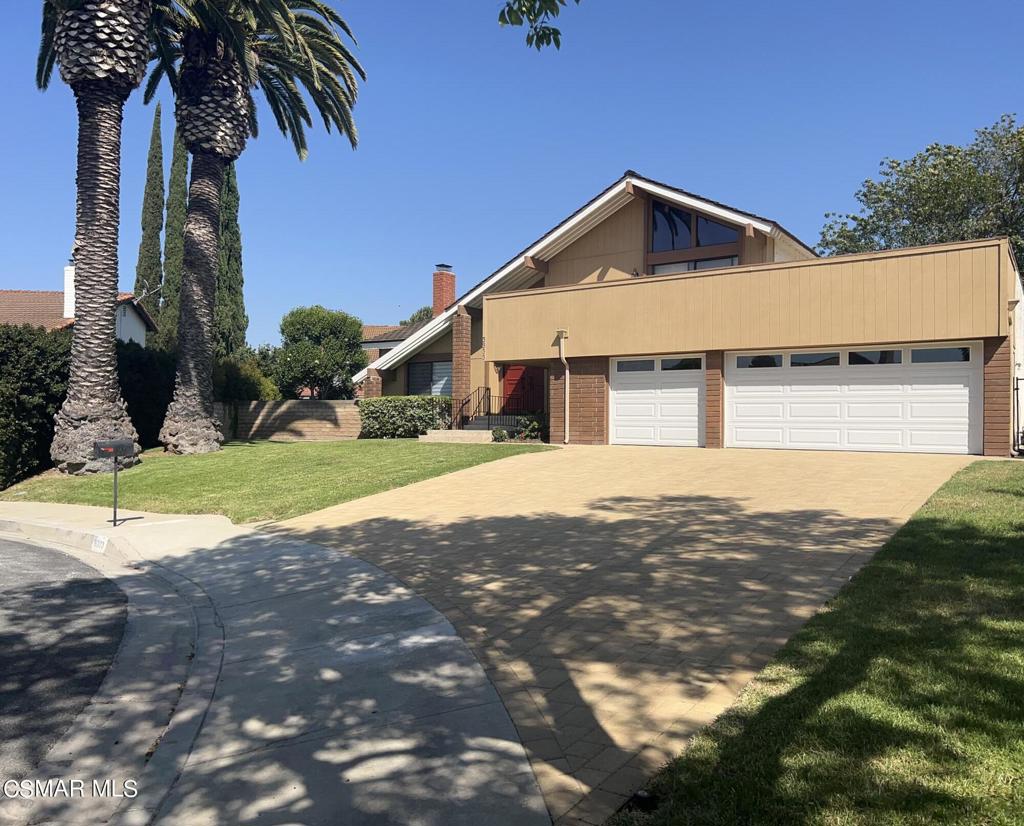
321	690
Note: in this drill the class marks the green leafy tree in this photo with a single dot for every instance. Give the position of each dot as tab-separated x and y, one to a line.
230	320
33	379
536	15
422	314
174	246
149	269
320	350
944	193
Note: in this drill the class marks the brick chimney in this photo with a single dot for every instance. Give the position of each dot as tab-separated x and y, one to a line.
444	288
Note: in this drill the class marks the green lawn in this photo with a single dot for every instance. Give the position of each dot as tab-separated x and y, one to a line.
250	481
902	703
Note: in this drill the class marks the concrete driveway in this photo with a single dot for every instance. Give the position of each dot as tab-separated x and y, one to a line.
620	597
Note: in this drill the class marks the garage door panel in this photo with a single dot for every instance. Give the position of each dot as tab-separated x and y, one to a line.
905	406
815	410
874	439
760	436
632	409
874	410
935	410
748	410
815	437
656	407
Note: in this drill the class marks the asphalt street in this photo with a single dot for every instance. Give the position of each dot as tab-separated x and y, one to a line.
60	626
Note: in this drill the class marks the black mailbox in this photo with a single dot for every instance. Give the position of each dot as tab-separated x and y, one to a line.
113	448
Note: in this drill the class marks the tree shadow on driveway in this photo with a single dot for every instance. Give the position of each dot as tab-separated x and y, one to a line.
613	633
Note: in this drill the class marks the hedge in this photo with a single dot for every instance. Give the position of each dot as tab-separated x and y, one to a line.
146	376
33	380
404	417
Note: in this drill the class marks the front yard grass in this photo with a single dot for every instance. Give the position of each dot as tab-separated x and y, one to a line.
252	481
901	703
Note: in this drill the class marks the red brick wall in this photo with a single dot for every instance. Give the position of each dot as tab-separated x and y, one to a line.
714	378
291	420
444	291
461	346
998	437
373	385
588	401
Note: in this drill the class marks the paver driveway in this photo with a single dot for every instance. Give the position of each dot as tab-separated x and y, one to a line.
620	597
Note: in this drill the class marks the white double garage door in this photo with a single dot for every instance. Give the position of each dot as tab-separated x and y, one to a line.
914	398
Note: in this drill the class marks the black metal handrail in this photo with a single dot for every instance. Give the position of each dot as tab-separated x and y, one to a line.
497	411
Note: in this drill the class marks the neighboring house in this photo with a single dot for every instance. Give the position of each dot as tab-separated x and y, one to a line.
683	321
432	373
53	309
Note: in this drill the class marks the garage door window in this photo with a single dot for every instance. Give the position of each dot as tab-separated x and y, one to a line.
876	357
635	366
814	359
681	364
937	355
760	360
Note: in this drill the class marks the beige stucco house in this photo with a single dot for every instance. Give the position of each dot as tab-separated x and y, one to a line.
654	316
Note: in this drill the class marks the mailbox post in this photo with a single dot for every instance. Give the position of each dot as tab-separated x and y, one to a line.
113	449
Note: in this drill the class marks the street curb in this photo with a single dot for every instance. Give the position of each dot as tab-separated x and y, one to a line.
196	655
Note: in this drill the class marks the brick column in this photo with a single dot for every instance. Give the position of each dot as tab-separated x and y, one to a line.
714	399
461	347
373	385
588	401
998	426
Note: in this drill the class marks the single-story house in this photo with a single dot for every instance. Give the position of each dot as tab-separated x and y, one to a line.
653	316
55	309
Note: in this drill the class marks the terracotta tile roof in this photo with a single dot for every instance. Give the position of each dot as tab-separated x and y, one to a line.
40	308
397	333
372	330
45	308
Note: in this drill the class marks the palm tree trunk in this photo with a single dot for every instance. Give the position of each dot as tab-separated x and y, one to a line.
94	408
190	425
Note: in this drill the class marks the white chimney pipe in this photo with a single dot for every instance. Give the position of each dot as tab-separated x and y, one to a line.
69	291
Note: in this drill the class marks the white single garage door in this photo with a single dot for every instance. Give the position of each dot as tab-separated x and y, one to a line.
657	400
894	398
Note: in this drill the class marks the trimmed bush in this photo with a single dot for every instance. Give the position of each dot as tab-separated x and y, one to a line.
403	417
499	434
241	379
33	380
146	377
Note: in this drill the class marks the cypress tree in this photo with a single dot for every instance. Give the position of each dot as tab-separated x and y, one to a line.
174	245
230	320
148	270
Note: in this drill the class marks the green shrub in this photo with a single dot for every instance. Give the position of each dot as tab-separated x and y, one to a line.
403	417
33	380
146	377
530	427
241	379
499	434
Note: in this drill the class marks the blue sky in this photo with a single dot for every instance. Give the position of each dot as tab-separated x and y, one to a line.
472	145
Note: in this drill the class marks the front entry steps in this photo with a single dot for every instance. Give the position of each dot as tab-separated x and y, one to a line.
460	436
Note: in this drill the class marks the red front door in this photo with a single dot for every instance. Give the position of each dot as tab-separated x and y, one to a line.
523	387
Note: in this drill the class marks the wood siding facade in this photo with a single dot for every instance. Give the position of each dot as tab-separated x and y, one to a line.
944	292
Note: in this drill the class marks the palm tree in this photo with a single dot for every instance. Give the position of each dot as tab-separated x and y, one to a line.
102	47
223	58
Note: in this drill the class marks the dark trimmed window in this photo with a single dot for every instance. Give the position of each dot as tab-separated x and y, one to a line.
937	355
711	232
688	363
760	360
430	378
813	359
860	357
670	228
635	366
